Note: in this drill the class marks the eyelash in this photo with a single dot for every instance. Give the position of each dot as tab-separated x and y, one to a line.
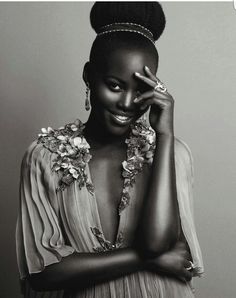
112	84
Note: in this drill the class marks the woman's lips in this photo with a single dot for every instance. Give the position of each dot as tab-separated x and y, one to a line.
121	119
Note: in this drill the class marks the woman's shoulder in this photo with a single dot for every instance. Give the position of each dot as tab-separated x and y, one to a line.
51	142
33	152
63	151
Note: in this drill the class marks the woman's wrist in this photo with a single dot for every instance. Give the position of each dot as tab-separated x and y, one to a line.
140	260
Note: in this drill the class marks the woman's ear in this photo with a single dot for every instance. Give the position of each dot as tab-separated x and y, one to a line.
86	73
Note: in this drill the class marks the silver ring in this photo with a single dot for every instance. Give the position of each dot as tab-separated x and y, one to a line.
190	267
160	87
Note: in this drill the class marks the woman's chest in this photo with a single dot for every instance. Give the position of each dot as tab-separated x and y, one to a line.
85	211
109	185
106	175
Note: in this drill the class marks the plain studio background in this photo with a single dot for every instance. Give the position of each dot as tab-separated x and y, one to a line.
43	50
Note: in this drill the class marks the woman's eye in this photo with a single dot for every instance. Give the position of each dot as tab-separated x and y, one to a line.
114	86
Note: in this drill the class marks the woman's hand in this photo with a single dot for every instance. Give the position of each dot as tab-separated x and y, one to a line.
162	104
174	262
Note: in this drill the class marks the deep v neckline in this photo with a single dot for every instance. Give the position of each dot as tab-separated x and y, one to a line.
121	217
72	161
140	147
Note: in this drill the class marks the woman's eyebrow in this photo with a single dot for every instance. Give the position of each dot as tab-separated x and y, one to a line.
122	82
116	78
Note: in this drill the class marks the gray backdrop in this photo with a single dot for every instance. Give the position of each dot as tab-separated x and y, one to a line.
43	47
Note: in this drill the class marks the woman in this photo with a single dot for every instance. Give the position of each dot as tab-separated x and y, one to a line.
89	227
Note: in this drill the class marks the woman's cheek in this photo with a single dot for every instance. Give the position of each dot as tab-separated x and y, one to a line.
107	96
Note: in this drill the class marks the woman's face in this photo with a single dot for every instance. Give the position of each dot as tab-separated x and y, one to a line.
113	88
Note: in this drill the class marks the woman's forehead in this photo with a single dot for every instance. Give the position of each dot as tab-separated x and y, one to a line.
125	60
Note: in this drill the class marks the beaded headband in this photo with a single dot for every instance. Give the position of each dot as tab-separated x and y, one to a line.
129	27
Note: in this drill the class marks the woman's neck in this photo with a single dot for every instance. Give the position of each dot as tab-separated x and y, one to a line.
98	137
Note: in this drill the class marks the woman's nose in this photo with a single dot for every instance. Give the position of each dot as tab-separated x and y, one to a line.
127	101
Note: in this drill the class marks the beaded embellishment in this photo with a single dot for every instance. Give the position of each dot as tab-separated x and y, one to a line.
72	153
105	245
126	27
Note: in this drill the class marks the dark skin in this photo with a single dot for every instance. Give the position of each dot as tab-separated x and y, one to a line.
113	90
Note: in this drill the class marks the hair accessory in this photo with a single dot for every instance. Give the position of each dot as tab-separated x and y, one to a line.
87	103
129	27
160	87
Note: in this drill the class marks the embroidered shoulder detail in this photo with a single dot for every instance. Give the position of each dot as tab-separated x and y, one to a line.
141	146
72	153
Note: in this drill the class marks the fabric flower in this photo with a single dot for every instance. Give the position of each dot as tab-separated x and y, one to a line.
80	142
73	154
61	138
74	127
149	154
126	166
74	173
68	179
151	138
64	165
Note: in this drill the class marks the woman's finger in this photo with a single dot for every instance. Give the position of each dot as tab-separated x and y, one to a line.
184	276
187	264
187	256
151	93
146	80
151	101
188	275
150	74
148	99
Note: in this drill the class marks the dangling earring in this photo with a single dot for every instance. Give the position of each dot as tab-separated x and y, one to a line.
87	103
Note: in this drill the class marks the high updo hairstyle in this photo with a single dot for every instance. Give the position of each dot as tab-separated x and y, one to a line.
147	14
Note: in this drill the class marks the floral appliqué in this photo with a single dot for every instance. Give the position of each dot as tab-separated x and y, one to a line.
140	150
72	153
72	156
105	244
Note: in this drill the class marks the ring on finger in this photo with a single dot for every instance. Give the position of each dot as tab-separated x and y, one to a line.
160	87
190	267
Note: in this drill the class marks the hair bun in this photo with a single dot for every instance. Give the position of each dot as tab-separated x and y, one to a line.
147	14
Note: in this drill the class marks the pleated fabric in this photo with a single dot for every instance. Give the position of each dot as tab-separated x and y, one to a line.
52	225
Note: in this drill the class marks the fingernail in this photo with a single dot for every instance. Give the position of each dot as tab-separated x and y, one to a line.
137	73
147	68
136	99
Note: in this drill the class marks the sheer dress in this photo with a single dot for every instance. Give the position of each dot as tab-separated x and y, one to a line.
53	224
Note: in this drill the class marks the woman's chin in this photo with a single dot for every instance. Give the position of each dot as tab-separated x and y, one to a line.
116	126
118	131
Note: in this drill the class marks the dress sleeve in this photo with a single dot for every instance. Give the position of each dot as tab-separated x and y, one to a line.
39	237
184	182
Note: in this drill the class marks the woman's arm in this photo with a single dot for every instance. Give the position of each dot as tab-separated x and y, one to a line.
159	222
173	262
81	270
